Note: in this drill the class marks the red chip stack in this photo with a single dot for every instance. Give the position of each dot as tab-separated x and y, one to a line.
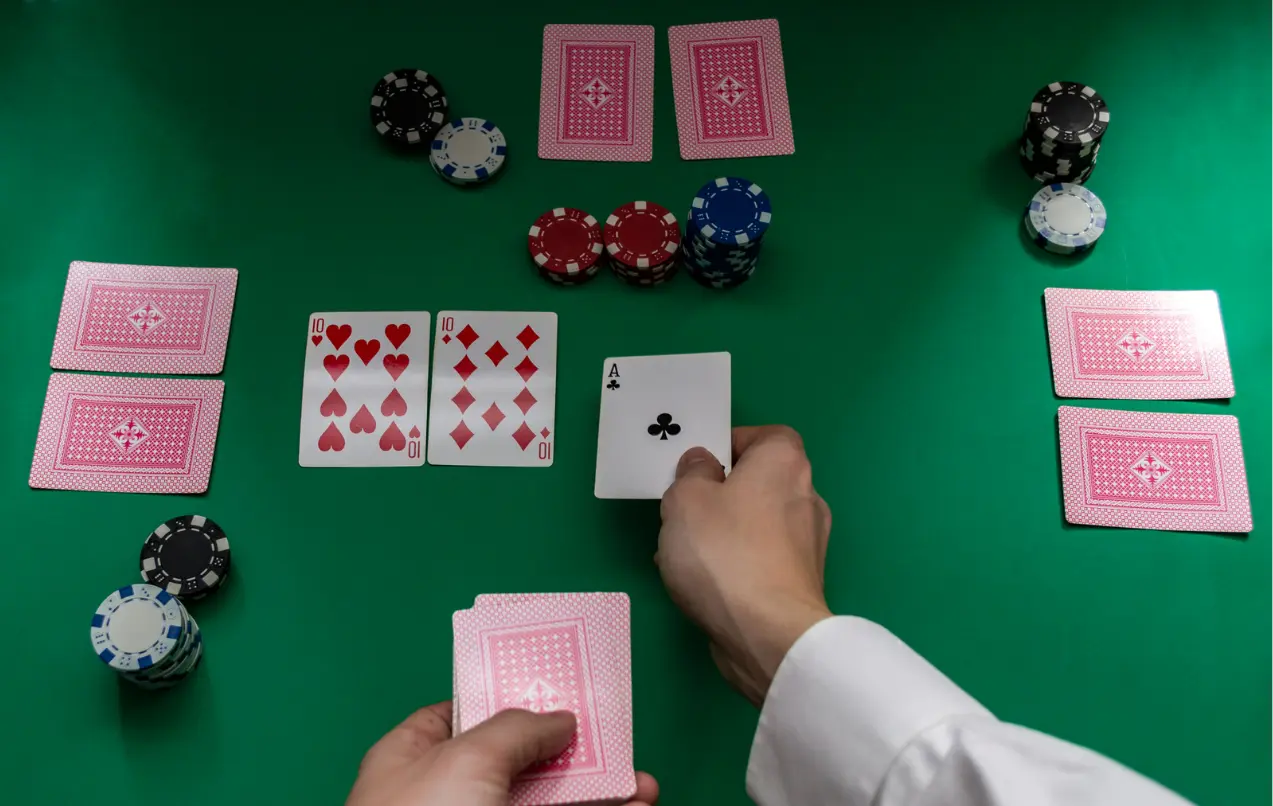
565	245
643	240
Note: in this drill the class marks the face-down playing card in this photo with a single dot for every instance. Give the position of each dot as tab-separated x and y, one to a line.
551	653
494	389
164	319
597	93
365	389
1141	470
653	409
731	90
127	435
1152	345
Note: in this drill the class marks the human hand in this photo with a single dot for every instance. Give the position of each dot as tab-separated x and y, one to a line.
419	764
744	556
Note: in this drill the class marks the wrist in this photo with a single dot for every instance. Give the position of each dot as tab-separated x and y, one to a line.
770	636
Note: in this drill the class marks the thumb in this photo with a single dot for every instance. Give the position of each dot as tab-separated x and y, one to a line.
513	740
699	463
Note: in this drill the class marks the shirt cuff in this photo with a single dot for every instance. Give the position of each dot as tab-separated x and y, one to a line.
847	698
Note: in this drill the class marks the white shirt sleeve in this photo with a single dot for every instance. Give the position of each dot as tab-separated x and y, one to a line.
854	717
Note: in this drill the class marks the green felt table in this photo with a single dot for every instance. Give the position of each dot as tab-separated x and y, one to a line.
896	321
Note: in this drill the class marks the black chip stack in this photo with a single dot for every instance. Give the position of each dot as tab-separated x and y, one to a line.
1062	134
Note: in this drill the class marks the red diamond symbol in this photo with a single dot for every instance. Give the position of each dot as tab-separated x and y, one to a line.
493	416
525	400
545	432
527	337
465	368
467	336
446	339
461	434
524	436
496	353
526	368
463	399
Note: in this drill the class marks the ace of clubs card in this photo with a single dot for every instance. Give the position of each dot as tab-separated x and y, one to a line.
653	409
365	390
494	389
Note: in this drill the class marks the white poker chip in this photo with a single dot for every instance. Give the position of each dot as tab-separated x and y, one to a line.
468	150
1067	215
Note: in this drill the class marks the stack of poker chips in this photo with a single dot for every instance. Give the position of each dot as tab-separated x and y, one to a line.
642	242
145	634
468	151
724	232
1062	134
408	107
565	246
1065	218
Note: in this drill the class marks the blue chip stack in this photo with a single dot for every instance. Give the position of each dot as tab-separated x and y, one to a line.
724	232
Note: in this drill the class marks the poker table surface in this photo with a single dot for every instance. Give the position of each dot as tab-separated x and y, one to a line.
896	321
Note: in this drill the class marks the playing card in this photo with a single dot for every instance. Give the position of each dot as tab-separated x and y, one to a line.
551	653
366	389
1153	345
1138	470
494	389
596	96
730	89
653	409
127	435
168	319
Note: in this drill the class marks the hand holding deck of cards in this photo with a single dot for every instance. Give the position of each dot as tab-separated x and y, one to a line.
545	653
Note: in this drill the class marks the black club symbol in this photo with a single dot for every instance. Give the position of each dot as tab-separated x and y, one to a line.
613	384
663	425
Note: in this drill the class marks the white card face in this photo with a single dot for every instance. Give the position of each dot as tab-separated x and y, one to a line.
366	389
494	389
653	409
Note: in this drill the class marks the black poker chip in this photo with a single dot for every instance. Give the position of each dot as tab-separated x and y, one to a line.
408	107
188	556
1068	112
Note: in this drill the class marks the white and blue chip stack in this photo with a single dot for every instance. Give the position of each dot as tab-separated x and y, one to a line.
145	634
725	231
468	151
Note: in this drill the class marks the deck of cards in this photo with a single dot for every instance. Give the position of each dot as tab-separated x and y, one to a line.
553	652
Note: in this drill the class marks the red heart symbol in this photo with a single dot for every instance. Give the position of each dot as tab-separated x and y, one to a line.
338	334
397	334
392	439
414	433
393	405
363	422
335	365
316	339
333	405
367	350
331	439
397	364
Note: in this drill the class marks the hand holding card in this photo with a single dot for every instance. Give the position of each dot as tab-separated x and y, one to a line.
653	409
553	652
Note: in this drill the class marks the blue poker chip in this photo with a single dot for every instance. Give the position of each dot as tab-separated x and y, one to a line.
137	627
731	211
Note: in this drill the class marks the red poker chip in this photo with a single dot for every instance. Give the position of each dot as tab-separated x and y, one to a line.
565	241
641	234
